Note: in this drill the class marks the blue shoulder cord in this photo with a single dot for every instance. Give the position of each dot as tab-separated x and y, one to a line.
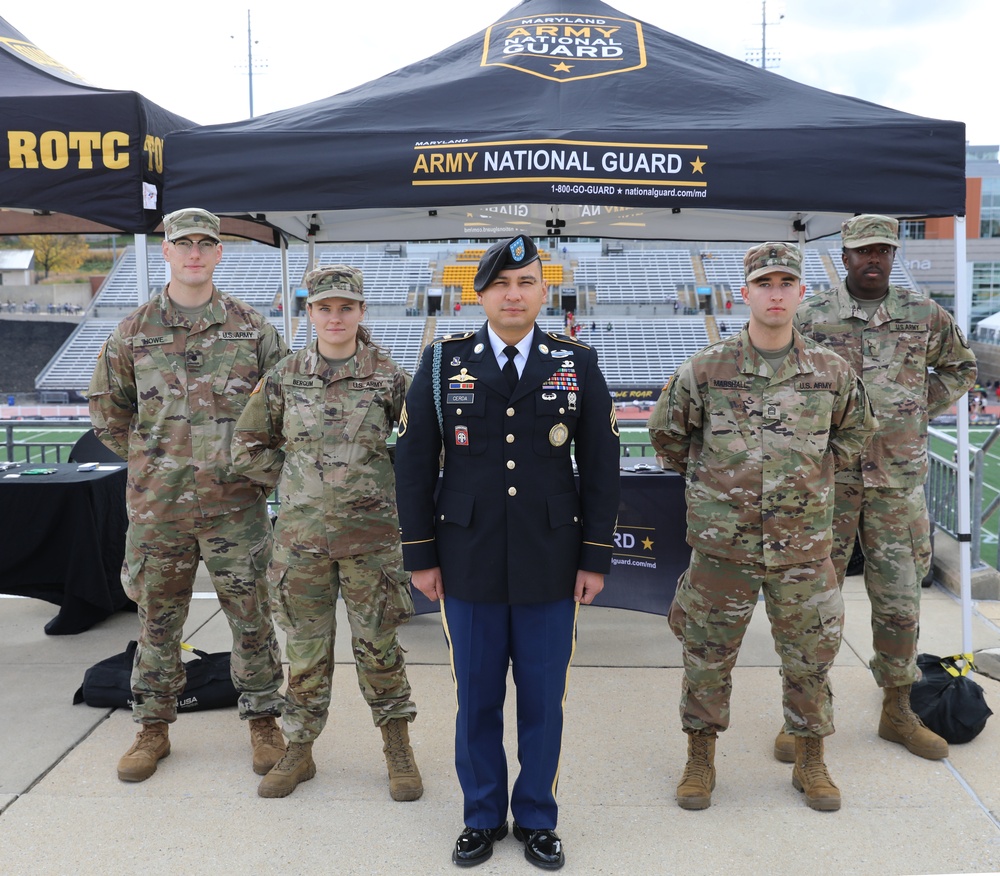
436	383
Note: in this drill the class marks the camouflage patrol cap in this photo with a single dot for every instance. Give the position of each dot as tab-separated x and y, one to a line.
869	229
771	257
515	252
191	220
335	281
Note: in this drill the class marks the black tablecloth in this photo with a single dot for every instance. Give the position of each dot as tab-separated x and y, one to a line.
62	539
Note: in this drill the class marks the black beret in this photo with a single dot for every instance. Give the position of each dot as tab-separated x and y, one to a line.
516	252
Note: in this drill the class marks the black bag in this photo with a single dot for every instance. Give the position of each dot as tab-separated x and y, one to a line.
947	700
209	684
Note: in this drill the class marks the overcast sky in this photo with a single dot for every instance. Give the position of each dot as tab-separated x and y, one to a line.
927	57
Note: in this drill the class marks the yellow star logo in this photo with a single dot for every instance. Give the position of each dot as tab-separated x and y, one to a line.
561	67
647	543
697	164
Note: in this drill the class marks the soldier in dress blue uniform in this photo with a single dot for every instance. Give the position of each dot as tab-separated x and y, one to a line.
511	545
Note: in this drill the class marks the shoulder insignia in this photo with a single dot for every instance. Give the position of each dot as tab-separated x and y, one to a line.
454	337
566	339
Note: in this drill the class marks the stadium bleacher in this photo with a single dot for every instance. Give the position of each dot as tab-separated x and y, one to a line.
636	276
634	350
253	274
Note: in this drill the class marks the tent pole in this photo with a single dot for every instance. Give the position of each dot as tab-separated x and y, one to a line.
286	310
963	296
310	265
142	267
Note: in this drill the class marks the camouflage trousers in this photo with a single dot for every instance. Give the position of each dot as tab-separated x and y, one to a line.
710	613
304	587
161	560
895	538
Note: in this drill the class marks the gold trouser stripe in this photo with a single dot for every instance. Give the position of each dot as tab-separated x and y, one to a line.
572	654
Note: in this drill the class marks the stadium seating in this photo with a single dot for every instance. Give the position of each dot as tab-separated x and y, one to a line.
636	276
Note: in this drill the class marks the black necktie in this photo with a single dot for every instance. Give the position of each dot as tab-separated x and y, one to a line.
510	369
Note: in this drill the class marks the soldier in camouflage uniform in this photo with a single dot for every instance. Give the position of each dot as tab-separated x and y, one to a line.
915	363
757	423
317	427
169	385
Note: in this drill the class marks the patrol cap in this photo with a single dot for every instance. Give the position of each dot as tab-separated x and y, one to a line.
766	258
515	252
335	281
869	229
191	220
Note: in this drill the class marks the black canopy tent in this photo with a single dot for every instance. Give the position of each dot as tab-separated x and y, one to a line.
569	117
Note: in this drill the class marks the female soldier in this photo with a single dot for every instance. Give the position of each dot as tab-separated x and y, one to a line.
317	426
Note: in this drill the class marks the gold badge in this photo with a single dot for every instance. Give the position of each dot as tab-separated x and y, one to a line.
558	435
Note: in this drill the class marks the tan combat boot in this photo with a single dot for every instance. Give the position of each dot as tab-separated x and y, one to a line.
151	744
811	776
267	742
698	782
898	724
404	777
295	766
784	747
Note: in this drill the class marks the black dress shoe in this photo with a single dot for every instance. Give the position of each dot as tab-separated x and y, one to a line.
542	847
475	844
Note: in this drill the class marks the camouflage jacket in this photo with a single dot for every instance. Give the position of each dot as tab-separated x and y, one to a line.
166	394
894	353
320	436
759	453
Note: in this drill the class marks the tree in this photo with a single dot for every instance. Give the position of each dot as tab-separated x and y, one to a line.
56	252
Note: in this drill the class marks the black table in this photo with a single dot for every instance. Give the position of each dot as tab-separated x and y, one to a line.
62	539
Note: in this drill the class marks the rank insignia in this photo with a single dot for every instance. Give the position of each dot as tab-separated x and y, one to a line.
558	435
462	436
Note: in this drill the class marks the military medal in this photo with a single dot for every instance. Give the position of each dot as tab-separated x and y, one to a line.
558	435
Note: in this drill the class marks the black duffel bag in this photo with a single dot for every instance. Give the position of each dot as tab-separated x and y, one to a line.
947	700
209	683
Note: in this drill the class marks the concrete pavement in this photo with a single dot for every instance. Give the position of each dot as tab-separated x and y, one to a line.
65	812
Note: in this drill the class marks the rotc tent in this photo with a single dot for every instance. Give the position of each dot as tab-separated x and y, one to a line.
568	117
68	147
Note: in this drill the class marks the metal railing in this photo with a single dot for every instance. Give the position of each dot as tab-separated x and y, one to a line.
942	488
40	451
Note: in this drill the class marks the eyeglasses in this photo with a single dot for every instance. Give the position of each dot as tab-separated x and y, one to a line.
185	245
